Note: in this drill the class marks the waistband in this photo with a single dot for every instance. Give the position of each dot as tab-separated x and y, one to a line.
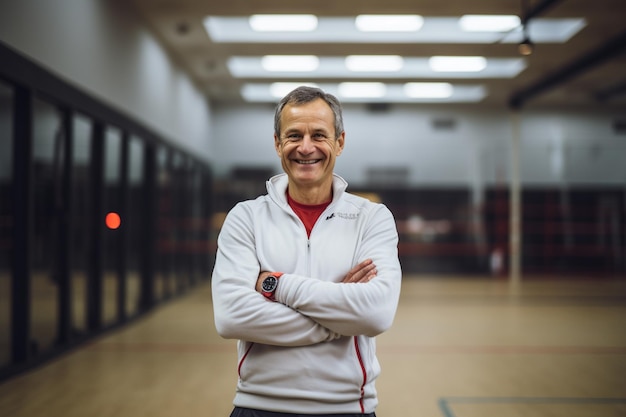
249	412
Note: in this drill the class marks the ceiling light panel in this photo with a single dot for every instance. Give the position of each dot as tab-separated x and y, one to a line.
290	63
457	63
428	90
489	23
434	30
283	22
412	67
374	63
375	93
388	23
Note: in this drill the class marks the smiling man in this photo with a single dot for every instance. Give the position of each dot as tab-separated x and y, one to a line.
308	143
306	276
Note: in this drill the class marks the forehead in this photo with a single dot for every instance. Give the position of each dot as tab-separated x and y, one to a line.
317	114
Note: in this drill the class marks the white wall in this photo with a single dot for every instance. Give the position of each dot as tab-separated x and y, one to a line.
573	148
557	147
102	47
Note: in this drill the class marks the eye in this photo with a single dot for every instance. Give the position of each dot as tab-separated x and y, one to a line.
293	136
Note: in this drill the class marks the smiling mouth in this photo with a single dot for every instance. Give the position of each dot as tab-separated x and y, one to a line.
307	161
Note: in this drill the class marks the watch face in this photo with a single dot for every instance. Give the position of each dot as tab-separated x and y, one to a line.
269	283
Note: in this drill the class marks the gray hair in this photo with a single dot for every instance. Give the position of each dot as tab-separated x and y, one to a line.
303	95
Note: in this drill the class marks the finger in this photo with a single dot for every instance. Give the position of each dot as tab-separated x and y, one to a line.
359	271
349	276
362	274
368	277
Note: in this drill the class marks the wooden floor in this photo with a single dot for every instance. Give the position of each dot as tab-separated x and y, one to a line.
460	347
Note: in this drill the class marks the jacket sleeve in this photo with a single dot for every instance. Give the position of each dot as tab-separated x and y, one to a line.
354	309
240	312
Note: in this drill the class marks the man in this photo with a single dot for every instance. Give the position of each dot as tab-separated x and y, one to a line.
306	276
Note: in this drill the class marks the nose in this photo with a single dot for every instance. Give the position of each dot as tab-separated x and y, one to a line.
306	146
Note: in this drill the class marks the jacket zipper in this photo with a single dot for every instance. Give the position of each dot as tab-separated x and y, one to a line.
308	240
308	256
362	364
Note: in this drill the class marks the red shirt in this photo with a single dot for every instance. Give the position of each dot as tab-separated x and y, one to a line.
307	213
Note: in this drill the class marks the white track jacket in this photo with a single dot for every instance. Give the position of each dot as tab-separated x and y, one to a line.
313	350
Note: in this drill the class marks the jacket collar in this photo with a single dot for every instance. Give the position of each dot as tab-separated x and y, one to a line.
277	188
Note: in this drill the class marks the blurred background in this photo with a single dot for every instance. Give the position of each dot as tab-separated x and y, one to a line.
494	130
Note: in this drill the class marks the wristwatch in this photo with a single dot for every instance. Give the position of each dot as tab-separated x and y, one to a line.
269	285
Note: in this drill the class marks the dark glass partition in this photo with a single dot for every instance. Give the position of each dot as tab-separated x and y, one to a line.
6	218
92	210
48	159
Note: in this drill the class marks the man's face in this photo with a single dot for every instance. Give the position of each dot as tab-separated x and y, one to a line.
307	145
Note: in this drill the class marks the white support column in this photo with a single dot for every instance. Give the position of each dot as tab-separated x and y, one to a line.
515	200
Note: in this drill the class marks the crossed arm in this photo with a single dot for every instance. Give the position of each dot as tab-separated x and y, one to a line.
241	315
363	272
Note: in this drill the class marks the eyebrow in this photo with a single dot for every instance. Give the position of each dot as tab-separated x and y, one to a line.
296	130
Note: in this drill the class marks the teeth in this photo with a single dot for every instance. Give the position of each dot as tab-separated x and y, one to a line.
307	161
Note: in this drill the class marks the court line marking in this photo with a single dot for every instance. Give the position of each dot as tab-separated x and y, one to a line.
503	349
445	402
167	347
145	346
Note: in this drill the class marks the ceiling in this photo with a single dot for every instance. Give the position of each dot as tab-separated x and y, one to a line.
587	70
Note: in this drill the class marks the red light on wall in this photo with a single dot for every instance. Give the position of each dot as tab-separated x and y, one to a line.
112	220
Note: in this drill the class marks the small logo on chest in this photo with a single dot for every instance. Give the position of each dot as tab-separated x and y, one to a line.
346	216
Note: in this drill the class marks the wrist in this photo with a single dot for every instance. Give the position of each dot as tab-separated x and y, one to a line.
269	285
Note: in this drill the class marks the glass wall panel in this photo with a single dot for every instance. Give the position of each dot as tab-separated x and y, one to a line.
185	219
6	218
112	237
135	231
197	230
207	253
179	214
48	160
164	284
81	229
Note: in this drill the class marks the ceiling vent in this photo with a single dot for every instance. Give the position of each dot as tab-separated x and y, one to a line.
444	124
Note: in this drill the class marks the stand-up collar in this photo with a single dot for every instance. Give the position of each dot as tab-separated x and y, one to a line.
277	188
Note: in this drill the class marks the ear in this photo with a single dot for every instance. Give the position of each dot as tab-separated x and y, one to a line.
277	145
341	140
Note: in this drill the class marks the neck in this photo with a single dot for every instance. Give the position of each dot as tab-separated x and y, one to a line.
310	195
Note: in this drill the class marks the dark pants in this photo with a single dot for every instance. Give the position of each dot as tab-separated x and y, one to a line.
248	412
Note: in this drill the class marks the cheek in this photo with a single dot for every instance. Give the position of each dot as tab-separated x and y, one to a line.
334	149
284	151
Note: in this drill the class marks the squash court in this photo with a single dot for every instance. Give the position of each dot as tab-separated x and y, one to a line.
459	347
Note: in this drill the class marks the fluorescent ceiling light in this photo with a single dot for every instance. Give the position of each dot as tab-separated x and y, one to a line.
283	22
428	90
457	63
413	68
488	23
374	62
392	93
388	23
280	90
290	63
362	90
437	30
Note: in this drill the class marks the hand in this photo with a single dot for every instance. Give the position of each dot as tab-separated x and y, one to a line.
363	272
259	280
